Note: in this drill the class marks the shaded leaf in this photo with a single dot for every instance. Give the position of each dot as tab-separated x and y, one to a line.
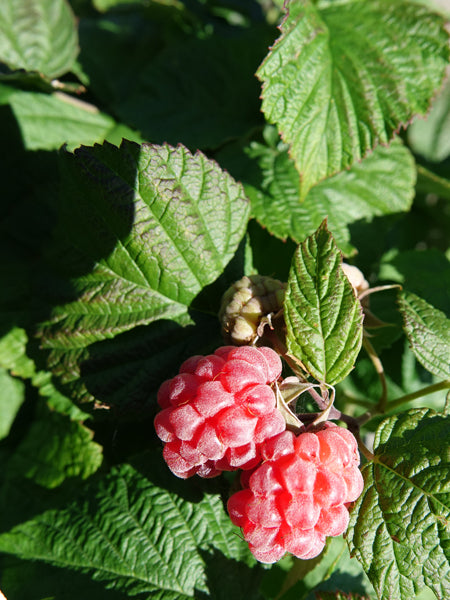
173	87
323	316
23	580
55	449
178	538
423	272
428	331
38	35
431	137
429	182
343	77
398	527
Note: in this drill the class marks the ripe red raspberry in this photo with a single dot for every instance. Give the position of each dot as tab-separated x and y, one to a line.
219	410
299	494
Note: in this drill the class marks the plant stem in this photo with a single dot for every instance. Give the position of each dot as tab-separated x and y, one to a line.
381	407
430	389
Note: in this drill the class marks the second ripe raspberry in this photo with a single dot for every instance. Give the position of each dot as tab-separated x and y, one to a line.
218	410
299	495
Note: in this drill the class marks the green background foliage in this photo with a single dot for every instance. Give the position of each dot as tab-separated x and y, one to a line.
154	152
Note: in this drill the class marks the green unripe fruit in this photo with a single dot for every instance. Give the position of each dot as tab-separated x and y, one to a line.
246	303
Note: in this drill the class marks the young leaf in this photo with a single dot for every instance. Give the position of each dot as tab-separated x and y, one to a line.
137	535
398	526
323	316
343	77
381	184
428	331
38	35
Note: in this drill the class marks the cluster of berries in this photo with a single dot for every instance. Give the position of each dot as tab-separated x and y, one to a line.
219	414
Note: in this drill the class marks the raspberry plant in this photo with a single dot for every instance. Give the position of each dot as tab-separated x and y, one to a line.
224	224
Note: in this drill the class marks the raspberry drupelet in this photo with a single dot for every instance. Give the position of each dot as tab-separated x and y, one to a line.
300	493
219	410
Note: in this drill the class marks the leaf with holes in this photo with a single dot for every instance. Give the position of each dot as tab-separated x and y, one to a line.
344	76
428	331
323	315
399	526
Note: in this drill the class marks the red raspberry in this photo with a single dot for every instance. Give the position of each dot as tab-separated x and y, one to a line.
218	411
299	494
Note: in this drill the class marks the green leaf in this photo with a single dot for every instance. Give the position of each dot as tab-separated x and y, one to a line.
13	353
12	395
428	182
381	184
431	138
47	121
55	400
323	316
398	527
22	580
423	272
56	449
428	331
157	536
173	87
339	596
152	226
344	77
38	35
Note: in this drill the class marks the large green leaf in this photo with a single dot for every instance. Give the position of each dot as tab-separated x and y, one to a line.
38	35
428	331
344	76
152	226
399	526
323	316
381	184
159	536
